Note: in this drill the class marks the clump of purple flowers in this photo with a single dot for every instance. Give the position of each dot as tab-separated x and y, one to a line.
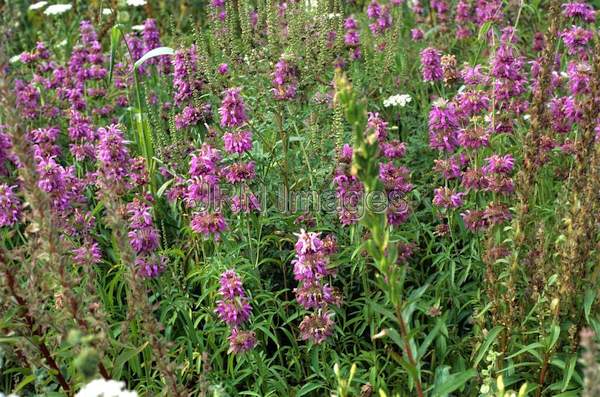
311	268
234	309
285	81
10	206
144	239
431	64
232	110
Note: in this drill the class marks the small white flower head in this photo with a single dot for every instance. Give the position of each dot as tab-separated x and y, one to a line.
136	3
397	100
312	4
139	28
57	9
14	59
38	5
106	11
105	388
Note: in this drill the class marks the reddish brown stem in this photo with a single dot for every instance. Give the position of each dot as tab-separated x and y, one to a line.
11	282
409	355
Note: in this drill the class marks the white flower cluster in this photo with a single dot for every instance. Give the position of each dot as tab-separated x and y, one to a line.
397	100
57	9
38	5
105	388
136	3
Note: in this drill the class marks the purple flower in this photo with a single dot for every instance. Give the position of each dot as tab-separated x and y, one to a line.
10	206
237	142
312	294
431	63
232	110
88	254
395	178
393	149
579	74
150	266
241	341
416	34
231	285
443	126
447	198
246	202
112	153
234	311
143	236
317	327
497	164
223	69
240	172
376	125
205	162
580	10
576	39
285	82
188	117
208	223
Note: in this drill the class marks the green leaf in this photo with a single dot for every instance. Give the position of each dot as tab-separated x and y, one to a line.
489	339
590	297
153	54
115	37
569	372
307	388
453	382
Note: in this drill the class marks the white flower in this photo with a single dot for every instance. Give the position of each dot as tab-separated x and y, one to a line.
106	11
105	388
14	59
38	5
312	4
397	100
57	9
136	3
137	27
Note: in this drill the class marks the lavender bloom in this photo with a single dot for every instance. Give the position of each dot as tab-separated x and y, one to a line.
6	155
223	69
246	203
150	266
238	142
284	81
377	126
10	206
443	126
576	40
188	117
317	327
431	63
579	74
497	164
112	154
582	10
143	236
241	341
395	178
207	224
446	198
232	110
311	294
240	172
233	308
88	254
416	34
393	149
